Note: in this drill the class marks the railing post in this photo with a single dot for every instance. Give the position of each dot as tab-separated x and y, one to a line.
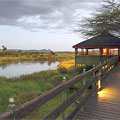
116	62
93	76
100	70
84	81
118	59
63	98
75	63
104	69
99	77
93	72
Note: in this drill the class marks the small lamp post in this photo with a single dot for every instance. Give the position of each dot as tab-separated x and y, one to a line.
84	81
63	98
11	103
99	80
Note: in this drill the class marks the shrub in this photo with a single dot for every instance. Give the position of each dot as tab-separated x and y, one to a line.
79	70
62	70
88	67
78	85
71	71
49	86
57	79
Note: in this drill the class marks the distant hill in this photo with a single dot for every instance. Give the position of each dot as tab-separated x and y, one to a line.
13	49
33	50
42	50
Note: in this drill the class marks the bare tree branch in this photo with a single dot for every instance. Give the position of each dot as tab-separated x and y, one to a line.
107	18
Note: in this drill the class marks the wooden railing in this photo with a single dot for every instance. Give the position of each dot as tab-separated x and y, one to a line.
98	73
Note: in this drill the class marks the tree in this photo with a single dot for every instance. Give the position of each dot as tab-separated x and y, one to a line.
106	19
4	48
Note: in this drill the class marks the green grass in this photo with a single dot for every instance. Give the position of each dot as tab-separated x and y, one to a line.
27	87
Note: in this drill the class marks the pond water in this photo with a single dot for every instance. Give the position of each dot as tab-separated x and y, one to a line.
17	69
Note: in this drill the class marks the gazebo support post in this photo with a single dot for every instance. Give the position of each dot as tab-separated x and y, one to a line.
108	51
101	54
82	52
76	51
101	51
86	51
118	51
118	55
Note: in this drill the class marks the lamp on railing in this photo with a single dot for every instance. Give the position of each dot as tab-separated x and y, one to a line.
99	84
11	103
99	81
63	98
84	81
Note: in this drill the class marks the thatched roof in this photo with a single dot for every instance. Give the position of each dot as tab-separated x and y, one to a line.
103	40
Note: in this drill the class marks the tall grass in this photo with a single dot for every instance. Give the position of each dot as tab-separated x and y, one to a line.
19	56
26	87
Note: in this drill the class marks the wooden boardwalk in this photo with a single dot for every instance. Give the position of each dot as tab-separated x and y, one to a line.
105	105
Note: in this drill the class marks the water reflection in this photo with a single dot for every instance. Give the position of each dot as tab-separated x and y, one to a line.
17	69
3	66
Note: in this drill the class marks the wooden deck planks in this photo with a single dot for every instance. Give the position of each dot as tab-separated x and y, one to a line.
105	105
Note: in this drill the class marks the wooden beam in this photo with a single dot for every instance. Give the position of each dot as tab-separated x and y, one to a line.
97	47
86	51
108	51
101	51
82	51
119	55
76	51
119	51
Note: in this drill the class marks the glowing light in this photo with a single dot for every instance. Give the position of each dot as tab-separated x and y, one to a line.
99	84
107	93
101	94
104	51
11	100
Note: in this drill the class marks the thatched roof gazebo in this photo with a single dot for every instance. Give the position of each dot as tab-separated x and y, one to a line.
97	49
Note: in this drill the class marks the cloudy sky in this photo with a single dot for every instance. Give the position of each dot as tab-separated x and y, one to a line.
39	24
